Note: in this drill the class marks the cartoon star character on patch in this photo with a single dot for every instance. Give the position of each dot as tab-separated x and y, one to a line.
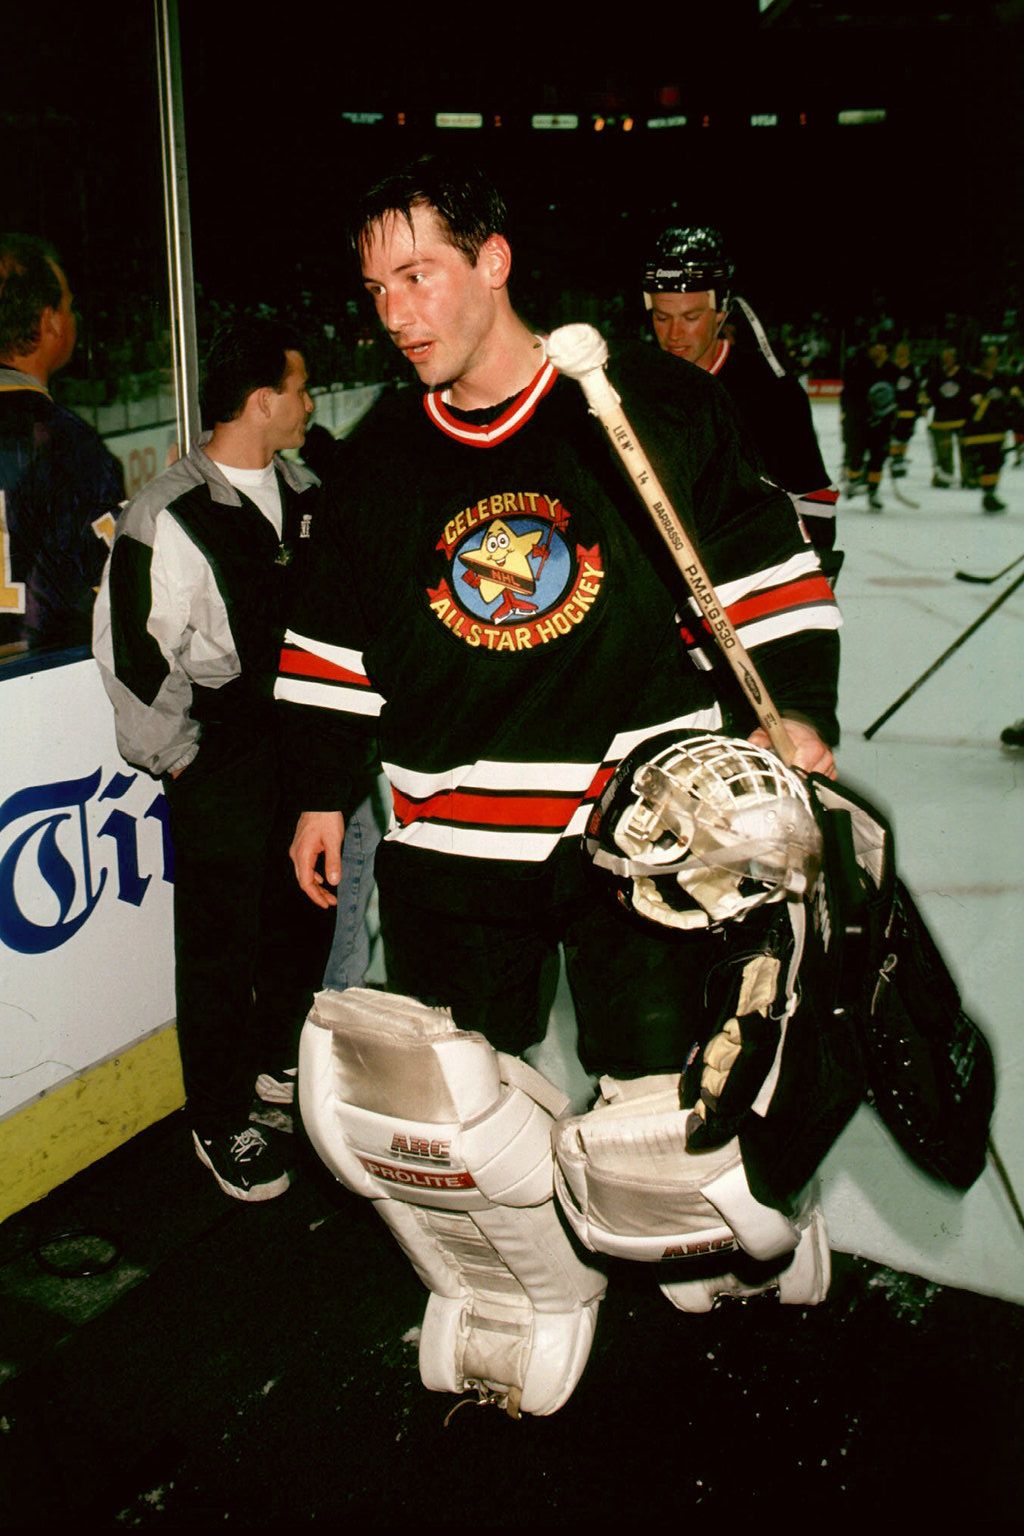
517	581
499	567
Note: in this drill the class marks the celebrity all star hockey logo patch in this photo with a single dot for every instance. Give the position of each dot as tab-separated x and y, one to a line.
516	580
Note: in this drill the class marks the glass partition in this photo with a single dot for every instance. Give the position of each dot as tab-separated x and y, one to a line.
87	402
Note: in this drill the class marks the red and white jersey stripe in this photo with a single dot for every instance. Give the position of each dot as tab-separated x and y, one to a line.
326	676
507	810
719	359
820	503
779	600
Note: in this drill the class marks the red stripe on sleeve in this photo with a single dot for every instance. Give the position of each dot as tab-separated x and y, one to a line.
299	663
795	594
826	494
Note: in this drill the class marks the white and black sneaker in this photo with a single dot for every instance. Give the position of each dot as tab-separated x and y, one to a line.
277	1087
244	1163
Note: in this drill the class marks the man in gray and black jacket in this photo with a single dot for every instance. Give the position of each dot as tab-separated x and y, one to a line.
187	633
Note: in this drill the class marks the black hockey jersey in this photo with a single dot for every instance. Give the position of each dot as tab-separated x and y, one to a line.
776	415
994	408
949	395
909	388
492	603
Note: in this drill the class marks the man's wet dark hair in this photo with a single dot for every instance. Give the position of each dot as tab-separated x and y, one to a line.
246	353
28	285
469	206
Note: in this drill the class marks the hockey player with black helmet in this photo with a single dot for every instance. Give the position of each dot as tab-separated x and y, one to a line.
687	289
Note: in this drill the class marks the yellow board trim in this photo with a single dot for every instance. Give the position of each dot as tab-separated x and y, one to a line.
79	1121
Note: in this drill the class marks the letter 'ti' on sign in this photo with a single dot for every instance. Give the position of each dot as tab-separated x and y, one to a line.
131	886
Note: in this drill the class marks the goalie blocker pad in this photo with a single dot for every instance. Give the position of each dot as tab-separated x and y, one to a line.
452	1142
928	1067
630	1187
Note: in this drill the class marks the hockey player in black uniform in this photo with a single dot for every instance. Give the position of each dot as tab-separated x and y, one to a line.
947	393
686	287
493	611
909	387
869	415
992	412
506	627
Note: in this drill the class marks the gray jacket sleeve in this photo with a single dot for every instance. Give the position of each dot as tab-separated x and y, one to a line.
160	626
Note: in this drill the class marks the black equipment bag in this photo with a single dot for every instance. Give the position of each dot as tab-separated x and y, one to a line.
929	1069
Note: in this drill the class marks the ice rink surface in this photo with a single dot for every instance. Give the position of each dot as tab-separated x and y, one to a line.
953	795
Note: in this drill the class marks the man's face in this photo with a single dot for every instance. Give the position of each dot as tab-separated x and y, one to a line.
437	309
687	325
291	406
63	330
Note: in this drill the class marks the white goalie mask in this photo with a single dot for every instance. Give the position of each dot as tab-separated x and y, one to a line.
701	829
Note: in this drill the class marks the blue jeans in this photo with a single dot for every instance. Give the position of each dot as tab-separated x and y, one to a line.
349	958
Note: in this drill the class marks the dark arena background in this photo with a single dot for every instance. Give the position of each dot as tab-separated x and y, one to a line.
862	159
173	1358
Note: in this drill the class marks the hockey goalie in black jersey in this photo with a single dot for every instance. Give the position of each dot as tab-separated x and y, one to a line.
489	610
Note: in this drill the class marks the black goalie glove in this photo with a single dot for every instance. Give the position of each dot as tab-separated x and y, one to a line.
723	1081
783	1071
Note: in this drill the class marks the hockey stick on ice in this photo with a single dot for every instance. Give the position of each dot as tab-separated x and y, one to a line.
905	501
1006	1182
580	352
968	632
986	581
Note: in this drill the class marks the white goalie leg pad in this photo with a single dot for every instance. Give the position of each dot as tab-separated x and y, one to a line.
804	1281
629	1186
452	1142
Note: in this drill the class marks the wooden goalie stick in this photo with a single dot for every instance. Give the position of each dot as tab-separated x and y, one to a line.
580	352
